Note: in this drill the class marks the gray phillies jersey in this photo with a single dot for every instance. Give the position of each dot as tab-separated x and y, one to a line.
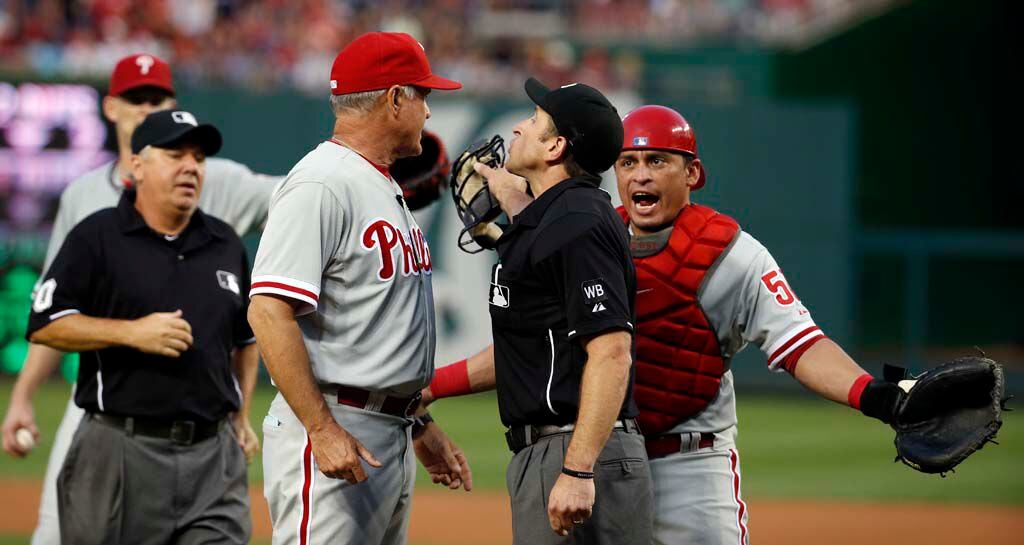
231	192
746	299
341	243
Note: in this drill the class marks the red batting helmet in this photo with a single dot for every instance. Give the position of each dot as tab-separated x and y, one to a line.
660	128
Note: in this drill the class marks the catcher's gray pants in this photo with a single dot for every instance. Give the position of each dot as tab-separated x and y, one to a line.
697	497
133	490
309	508
623	505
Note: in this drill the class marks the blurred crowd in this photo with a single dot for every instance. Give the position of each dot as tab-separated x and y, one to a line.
490	45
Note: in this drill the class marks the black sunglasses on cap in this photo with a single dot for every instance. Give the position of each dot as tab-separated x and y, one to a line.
138	96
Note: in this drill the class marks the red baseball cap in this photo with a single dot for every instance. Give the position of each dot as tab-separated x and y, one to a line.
378	60
139	71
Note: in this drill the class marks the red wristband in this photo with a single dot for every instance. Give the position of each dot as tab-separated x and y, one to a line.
853	398
451	380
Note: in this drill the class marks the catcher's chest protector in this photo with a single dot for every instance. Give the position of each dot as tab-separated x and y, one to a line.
679	364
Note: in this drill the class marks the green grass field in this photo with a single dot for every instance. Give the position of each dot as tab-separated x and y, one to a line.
791	447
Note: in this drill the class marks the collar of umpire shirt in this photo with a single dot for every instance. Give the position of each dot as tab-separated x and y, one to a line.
532	214
132	221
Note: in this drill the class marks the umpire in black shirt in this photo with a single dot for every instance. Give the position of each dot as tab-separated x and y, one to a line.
152	293
562	314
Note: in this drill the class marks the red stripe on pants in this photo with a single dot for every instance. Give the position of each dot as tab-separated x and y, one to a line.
734	460
307	485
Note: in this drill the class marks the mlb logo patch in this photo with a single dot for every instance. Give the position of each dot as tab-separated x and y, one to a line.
184	118
639	140
498	296
229	282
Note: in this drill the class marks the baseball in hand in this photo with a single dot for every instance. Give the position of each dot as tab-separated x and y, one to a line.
24	439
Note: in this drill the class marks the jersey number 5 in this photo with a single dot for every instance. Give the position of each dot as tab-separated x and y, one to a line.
776	283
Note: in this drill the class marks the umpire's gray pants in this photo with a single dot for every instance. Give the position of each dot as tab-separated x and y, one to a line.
119	489
623	506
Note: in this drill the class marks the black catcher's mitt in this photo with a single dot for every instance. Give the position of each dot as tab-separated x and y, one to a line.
476	207
423	177
947	413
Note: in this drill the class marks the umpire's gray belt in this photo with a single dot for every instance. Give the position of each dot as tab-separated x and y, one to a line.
520	437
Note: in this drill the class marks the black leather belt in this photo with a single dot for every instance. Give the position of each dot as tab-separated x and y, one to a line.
520	437
181	432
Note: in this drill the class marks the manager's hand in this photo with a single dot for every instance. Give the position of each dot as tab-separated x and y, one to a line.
338	454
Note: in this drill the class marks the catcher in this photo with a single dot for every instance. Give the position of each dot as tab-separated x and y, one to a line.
706	289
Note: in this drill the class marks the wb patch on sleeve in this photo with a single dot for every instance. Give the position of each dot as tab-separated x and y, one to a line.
594	291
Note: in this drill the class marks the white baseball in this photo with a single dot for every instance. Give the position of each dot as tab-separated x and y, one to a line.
25	439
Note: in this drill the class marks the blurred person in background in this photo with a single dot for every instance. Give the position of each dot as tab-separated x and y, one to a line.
139	85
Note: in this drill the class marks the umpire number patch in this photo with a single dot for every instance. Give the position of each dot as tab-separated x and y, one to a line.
594	294
44	296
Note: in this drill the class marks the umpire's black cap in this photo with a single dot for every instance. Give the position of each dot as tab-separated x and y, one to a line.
166	128
584	117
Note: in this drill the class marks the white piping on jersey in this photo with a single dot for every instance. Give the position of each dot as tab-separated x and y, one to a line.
287	293
313	288
789	334
64	313
808	337
551	339
496	269
99	381
238	390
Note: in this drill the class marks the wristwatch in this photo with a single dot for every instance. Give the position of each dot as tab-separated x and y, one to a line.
419	424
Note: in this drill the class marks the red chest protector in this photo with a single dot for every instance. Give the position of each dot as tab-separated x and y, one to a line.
679	364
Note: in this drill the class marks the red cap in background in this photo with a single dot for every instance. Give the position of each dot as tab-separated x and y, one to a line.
378	60
139	71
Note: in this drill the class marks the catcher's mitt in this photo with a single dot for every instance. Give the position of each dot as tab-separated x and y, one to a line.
424	176
476	207
947	413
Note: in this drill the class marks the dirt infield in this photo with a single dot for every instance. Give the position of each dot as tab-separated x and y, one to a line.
479	518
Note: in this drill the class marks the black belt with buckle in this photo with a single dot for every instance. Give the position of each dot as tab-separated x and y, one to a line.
520	437
181	432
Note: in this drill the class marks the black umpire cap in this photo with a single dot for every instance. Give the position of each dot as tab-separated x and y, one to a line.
586	119
166	128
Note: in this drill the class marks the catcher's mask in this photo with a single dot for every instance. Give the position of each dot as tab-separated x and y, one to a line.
476	207
423	177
